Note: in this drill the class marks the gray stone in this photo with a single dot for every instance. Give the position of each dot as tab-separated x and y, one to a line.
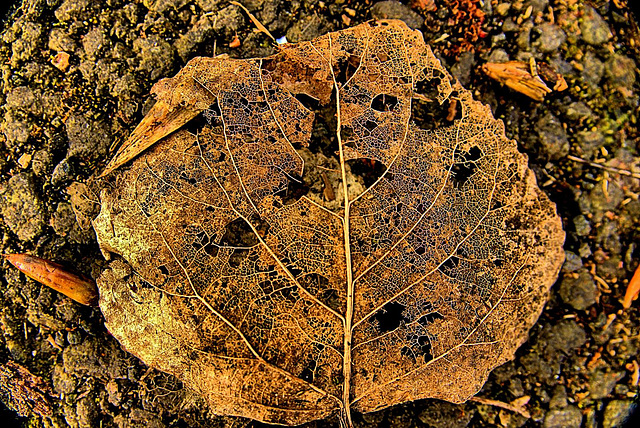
163	5
74	9
498	55
16	131
552	136
62	173
442	414
569	417
594	29
396	10
59	40
199	33
28	44
592	69
572	262
21	207
621	70
590	141
601	383
608	236
41	162
23	98
461	70
565	336
580	292
551	37
155	56
94	42
617	412
578	111
559	398
88	140
582	225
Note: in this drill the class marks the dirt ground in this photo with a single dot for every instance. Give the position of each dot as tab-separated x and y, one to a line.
75	80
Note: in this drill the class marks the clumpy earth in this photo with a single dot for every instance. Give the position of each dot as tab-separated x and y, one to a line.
75	80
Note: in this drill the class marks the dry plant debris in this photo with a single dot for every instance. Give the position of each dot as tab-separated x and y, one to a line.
533	79
232	270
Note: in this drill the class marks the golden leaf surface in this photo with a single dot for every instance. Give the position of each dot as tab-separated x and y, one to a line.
238	276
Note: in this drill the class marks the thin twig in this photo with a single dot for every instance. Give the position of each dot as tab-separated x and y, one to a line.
605	167
501	404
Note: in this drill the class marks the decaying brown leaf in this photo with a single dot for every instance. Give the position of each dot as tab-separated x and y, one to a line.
233	271
533	79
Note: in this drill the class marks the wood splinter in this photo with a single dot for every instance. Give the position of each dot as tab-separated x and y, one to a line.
71	284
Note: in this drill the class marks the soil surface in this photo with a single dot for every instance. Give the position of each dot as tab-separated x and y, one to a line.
76	75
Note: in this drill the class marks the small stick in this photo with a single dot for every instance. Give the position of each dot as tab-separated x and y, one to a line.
501	404
254	20
604	167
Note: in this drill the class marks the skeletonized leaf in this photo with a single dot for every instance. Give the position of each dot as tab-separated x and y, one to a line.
234	272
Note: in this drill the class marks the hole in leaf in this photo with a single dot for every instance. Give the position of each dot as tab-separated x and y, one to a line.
384	102
464	168
390	316
347	67
310	103
429	318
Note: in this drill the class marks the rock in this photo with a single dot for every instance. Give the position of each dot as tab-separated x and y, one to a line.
200	32
537	5
396	10
552	137
21	207
503	8
601	202
87	412
608	236
59	40
442	414
94	357
41	162
559	398
94	42
16	131
572	262
580	292
582	225
565	336
551	36
617	413
578	111
155	56
62	172
163	5
589	141
498	55
594	29
621	70
592	69
569	417
601	383
461	70
28	45
74	9
88	140
63	219
23	98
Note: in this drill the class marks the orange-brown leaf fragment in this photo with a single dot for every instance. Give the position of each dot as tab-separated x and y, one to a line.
235	271
531	79
61	279
633	289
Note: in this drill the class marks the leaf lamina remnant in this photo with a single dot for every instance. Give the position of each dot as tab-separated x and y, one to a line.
420	275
